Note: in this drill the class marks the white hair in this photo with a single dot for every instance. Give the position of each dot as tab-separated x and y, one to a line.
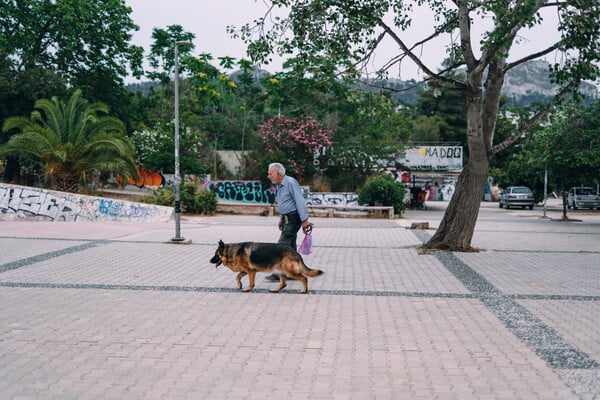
277	167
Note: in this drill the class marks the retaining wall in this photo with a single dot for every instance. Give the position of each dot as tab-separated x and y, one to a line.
22	202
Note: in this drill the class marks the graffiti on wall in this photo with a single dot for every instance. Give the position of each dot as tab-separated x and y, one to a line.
147	178
256	192
32	203
246	191
332	199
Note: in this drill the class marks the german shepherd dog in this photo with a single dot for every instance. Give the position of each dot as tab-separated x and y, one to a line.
248	258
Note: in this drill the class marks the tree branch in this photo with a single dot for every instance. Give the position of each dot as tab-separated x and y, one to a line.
534	120
390	89
464	23
533	56
513	27
408	53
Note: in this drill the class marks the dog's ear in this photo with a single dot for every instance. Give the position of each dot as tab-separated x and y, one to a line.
221	244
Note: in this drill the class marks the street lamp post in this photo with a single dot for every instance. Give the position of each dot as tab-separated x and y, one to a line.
545	190
177	238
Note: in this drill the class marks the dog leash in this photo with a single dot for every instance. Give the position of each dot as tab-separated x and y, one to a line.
308	229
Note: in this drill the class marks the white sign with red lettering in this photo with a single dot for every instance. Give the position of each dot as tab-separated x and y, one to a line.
435	158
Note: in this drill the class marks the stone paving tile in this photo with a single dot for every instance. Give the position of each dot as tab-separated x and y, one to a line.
151	264
153	344
346	233
12	249
576	321
124	315
538	273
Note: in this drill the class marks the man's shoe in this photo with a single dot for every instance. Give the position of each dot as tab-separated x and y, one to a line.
272	278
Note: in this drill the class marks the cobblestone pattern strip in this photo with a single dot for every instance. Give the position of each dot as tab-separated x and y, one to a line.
46	256
233	290
544	340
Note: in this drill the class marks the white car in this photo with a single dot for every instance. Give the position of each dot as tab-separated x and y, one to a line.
517	196
583	197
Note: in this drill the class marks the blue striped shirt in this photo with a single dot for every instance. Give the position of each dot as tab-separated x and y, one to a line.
289	198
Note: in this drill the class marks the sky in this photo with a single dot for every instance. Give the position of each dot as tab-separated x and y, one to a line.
208	20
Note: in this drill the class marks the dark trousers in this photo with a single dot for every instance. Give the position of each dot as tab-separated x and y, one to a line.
290	224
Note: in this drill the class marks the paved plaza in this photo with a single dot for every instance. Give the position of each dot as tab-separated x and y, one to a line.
116	311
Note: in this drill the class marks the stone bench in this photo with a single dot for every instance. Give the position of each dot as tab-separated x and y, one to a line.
371	211
232	207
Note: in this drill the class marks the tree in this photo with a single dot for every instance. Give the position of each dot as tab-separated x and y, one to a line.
295	141
70	142
48	46
162	51
570	148
154	149
71	38
369	131
327	37
365	125
445	106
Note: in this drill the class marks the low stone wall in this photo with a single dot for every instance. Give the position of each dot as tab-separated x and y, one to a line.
22	202
241	208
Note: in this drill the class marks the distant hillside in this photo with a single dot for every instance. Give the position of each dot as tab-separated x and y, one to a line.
523	85
143	87
529	82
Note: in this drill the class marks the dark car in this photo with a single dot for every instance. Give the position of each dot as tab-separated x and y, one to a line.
517	196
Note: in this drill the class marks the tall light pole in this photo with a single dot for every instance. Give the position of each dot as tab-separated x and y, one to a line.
177	238
545	190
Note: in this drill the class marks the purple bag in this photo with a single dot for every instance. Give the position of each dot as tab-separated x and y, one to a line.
306	246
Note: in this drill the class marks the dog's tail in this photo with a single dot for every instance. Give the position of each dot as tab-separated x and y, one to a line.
311	272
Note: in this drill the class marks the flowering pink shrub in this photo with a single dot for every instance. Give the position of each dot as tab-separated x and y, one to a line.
297	139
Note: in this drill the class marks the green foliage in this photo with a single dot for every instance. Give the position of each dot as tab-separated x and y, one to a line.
198	201
155	150
570	146
164	196
69	40
222	105
193	201
365	126
370	122
48	48
70	36
70	143
162	51
446	111
383	190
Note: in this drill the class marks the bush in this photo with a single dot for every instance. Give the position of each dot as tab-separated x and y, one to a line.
193	201
197	202
383	190
164	196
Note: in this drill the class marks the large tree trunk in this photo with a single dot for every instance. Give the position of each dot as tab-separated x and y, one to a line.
66	183
458	225
456	229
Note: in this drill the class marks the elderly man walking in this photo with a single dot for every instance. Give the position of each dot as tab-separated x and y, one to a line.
291	206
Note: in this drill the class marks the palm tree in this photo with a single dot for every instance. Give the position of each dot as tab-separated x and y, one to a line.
70	142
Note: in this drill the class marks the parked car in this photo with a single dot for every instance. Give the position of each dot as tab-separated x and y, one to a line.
583	197
517	196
